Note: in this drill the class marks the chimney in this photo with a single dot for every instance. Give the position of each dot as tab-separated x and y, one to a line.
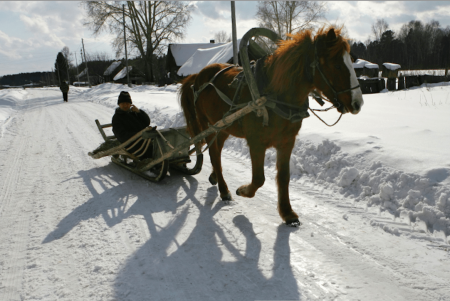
212	41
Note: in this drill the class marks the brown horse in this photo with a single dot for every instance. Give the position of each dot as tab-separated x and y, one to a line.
298	66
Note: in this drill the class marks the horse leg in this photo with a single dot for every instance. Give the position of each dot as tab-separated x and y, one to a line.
215	153
257	155
283	177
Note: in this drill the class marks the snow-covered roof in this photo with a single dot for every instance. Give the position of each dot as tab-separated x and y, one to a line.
392	66
205	57
363	63
182	52
122	73
111	68
83	73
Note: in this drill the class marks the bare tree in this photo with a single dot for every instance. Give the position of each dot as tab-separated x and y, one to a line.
285	17
98	56
150	25
222	37
378	28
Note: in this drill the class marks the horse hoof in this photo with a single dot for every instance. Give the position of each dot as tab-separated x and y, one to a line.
293	223
227	198
237	192
212	180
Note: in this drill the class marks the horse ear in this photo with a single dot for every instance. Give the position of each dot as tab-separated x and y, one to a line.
331	35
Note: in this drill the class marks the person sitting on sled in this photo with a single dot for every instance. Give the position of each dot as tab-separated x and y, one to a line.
129	120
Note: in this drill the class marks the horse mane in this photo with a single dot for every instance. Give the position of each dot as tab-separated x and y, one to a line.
293	57
336	47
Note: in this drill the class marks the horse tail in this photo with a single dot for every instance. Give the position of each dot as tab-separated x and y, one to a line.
186	97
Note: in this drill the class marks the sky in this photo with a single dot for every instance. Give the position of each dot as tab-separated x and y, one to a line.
33	32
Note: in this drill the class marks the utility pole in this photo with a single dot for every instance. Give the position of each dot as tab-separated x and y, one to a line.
76	61
233	33
125	42
87	70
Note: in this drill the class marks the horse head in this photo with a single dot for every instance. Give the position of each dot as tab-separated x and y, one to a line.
333	73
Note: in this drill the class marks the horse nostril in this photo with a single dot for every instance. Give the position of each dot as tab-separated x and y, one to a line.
356	106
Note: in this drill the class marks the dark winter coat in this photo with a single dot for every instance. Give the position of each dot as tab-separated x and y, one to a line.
64	87
126	124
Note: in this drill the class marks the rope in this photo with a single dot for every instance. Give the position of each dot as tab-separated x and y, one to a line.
312	110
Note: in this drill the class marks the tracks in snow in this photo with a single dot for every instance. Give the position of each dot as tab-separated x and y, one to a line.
74	228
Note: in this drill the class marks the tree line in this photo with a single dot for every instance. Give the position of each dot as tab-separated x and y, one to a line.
26	78
417	45
148	27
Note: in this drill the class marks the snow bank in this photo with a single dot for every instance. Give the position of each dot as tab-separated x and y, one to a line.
400	193
8	101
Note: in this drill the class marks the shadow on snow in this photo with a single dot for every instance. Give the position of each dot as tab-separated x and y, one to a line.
207	265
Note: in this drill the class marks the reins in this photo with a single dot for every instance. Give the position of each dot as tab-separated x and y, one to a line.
318	110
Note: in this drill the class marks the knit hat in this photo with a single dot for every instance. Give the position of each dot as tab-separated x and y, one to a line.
124	96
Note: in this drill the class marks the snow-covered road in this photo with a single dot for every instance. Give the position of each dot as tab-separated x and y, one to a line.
74	228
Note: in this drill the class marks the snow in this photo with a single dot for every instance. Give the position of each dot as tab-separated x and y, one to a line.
205	57
392	66
122	73
182	52
439	72
111	68
373	194
80	83
359	63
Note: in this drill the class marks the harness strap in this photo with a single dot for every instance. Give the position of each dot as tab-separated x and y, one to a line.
203	87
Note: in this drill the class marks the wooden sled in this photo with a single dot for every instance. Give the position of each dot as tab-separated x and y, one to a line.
161	141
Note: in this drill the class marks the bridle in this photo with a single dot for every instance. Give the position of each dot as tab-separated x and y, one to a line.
336	104
315	64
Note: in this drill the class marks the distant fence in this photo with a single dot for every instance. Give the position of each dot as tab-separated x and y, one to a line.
402	80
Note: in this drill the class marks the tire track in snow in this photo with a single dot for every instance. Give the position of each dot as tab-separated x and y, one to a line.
80	164
14	215
12	175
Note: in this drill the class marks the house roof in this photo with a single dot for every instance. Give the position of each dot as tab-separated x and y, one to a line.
203	57
111	68
83	73
122	73
220	54
182	52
